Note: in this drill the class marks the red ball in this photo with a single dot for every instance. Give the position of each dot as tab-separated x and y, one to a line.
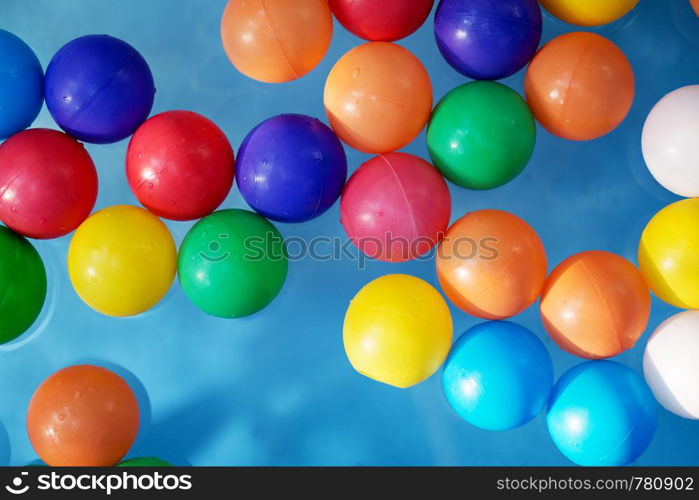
48	183
396	207
381	20
180	165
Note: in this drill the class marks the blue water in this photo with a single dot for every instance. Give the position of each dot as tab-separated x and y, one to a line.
277	388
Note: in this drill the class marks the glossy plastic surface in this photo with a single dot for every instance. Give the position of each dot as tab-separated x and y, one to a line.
580	86
99	89
589	12
291	168
48	183
381	20
22	285
498	376
83	415
276	388
180	165
276	41
21	84
395	207
378	97
601	413
670	146
486	39
481	135
668	253
122	260
232	263
397	330
671	364
595	304
491	264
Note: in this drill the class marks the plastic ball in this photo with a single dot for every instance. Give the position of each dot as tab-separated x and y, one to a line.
381	20
487	40
144	462
670	148
291	168
397	330
23	285
595	305
99	89
601	414
48	183
232	263
580	86
378	97
695	6
276	41
122	260
396	207
21	85
668	254
498	376
671	364
84	416
180	165
589	12
491	264
481	135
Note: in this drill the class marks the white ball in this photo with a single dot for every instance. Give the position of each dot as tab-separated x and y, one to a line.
671	141
671	364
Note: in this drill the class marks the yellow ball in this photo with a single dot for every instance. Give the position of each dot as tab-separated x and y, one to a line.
589	12
668	254
122	260
398	330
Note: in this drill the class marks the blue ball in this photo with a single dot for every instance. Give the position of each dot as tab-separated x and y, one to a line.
488	39
99	89
21	85
291	168
602	413
498	376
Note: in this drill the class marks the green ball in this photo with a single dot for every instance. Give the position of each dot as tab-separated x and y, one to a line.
232	263
481	135
22	285
144	462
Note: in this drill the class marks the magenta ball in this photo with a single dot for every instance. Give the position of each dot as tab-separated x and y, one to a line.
396	207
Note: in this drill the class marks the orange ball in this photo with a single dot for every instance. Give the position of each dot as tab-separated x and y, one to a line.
580	86
83	415
378	97
595	305
695	6
491	264
276	41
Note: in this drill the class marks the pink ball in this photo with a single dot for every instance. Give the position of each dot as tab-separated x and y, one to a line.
396	207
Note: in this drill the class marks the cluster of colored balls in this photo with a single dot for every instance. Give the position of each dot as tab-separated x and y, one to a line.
396	207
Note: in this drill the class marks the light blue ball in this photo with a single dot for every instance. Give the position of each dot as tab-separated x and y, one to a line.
602	413
498	376
21	85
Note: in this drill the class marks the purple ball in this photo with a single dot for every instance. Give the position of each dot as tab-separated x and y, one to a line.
99	89
291	168
488	39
